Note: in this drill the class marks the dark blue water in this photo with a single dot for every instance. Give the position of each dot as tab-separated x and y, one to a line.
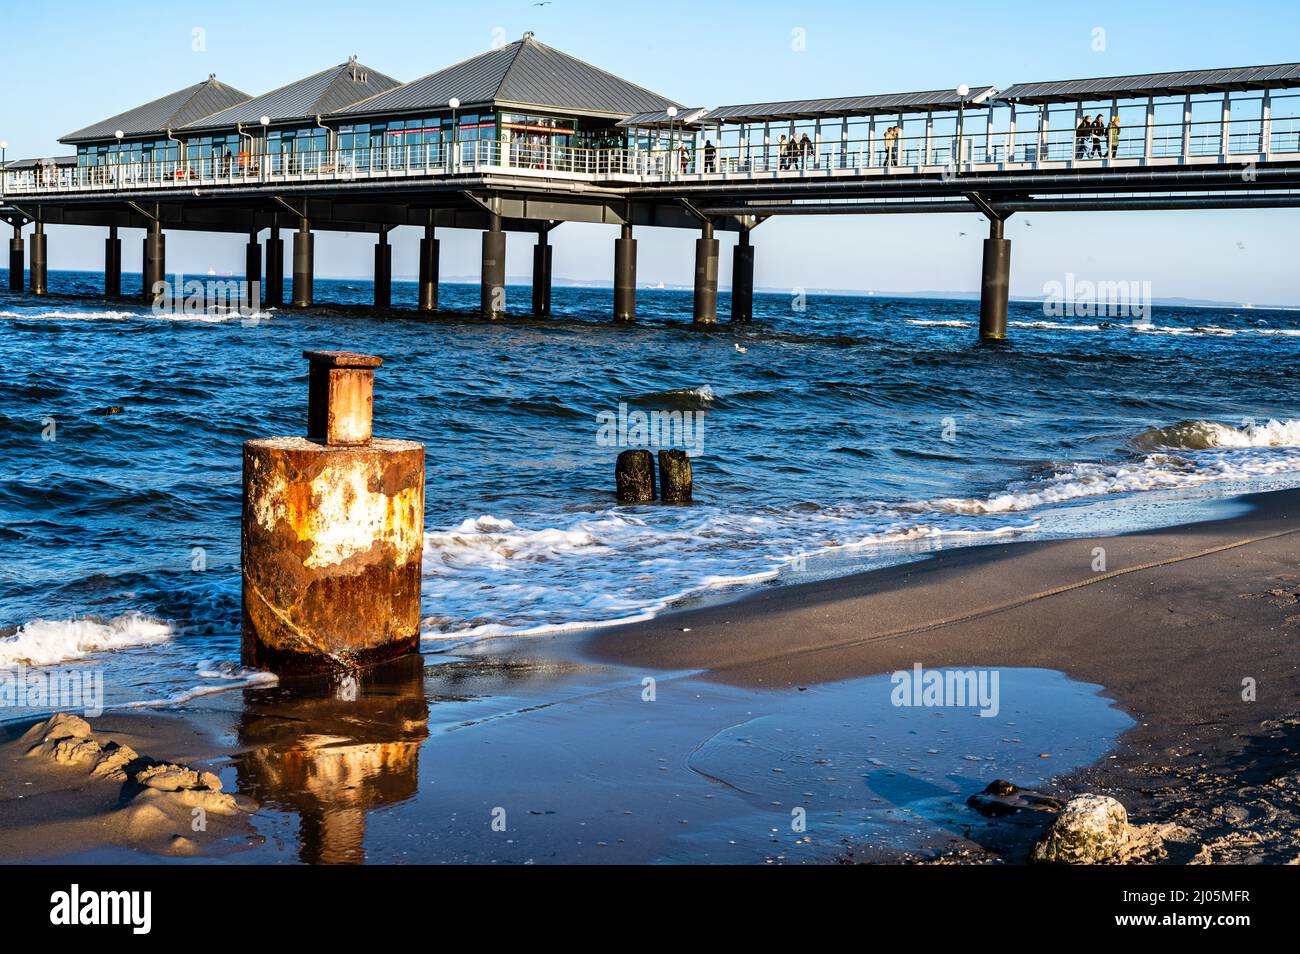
858	431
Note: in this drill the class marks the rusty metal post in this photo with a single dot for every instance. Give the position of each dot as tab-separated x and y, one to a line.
333	532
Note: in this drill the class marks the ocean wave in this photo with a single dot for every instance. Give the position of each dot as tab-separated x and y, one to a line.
697	398
1153	472
44	642
1206	435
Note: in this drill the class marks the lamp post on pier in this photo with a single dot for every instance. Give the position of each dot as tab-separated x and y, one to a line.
962	92
672	142
454	103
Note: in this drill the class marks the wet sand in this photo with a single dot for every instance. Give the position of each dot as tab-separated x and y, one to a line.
1172	628
767	704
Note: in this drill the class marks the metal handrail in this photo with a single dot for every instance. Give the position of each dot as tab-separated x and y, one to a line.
1241	137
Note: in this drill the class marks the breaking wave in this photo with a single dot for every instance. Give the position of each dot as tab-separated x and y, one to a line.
48	642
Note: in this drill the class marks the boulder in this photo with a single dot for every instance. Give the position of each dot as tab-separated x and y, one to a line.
1091	829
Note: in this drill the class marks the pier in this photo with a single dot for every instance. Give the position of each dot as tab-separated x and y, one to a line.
523	138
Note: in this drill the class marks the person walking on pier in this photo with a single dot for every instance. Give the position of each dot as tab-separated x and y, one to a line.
1098	136
891	146
1081	133
1112	133
807	152
710	156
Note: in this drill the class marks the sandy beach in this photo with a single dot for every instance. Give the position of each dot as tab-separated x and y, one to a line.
1136	675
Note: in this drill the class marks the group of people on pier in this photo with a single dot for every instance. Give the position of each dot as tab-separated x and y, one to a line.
1094	138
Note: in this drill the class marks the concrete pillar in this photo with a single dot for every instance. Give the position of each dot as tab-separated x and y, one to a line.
333	531
493	282
112	264
995	284
303	266
37	268
625	276
706	277
742	279
428	270
273	292
542	276
17	263
155	259
383	272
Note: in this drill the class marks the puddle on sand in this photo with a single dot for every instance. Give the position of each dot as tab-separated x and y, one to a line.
579	767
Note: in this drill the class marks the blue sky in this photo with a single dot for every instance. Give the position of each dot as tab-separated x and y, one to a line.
75	62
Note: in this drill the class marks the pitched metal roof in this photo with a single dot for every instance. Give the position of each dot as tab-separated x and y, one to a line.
170	112
315	95
15	164
1155	84
525	73
884	103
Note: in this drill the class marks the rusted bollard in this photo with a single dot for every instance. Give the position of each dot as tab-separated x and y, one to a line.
674	476
333	532
634	476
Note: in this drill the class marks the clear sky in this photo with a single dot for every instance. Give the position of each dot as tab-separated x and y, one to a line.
75	62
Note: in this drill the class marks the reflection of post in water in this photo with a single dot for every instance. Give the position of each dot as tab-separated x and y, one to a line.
333	747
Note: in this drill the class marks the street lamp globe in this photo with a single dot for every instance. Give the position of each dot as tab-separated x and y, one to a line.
454	103
118	134
265	120
963	90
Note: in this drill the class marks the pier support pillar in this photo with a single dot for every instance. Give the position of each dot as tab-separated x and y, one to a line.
625	275
706	277
333	532
493	283
542	276
112	264
742	279
154	267
428	270
273	290
995	284
37	274
253	274
303	266
17	263
383	272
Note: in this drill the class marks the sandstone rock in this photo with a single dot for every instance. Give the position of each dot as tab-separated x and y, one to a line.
1091	829
113	762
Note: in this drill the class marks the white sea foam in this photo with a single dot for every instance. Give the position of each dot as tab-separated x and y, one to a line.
48	642
1146	328
226	675
211	317
537	574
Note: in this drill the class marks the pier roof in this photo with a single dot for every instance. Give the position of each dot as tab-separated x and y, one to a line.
524	74
839	107
315	95
1155	84
168	112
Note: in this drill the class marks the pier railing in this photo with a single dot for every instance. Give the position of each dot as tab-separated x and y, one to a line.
1195	142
